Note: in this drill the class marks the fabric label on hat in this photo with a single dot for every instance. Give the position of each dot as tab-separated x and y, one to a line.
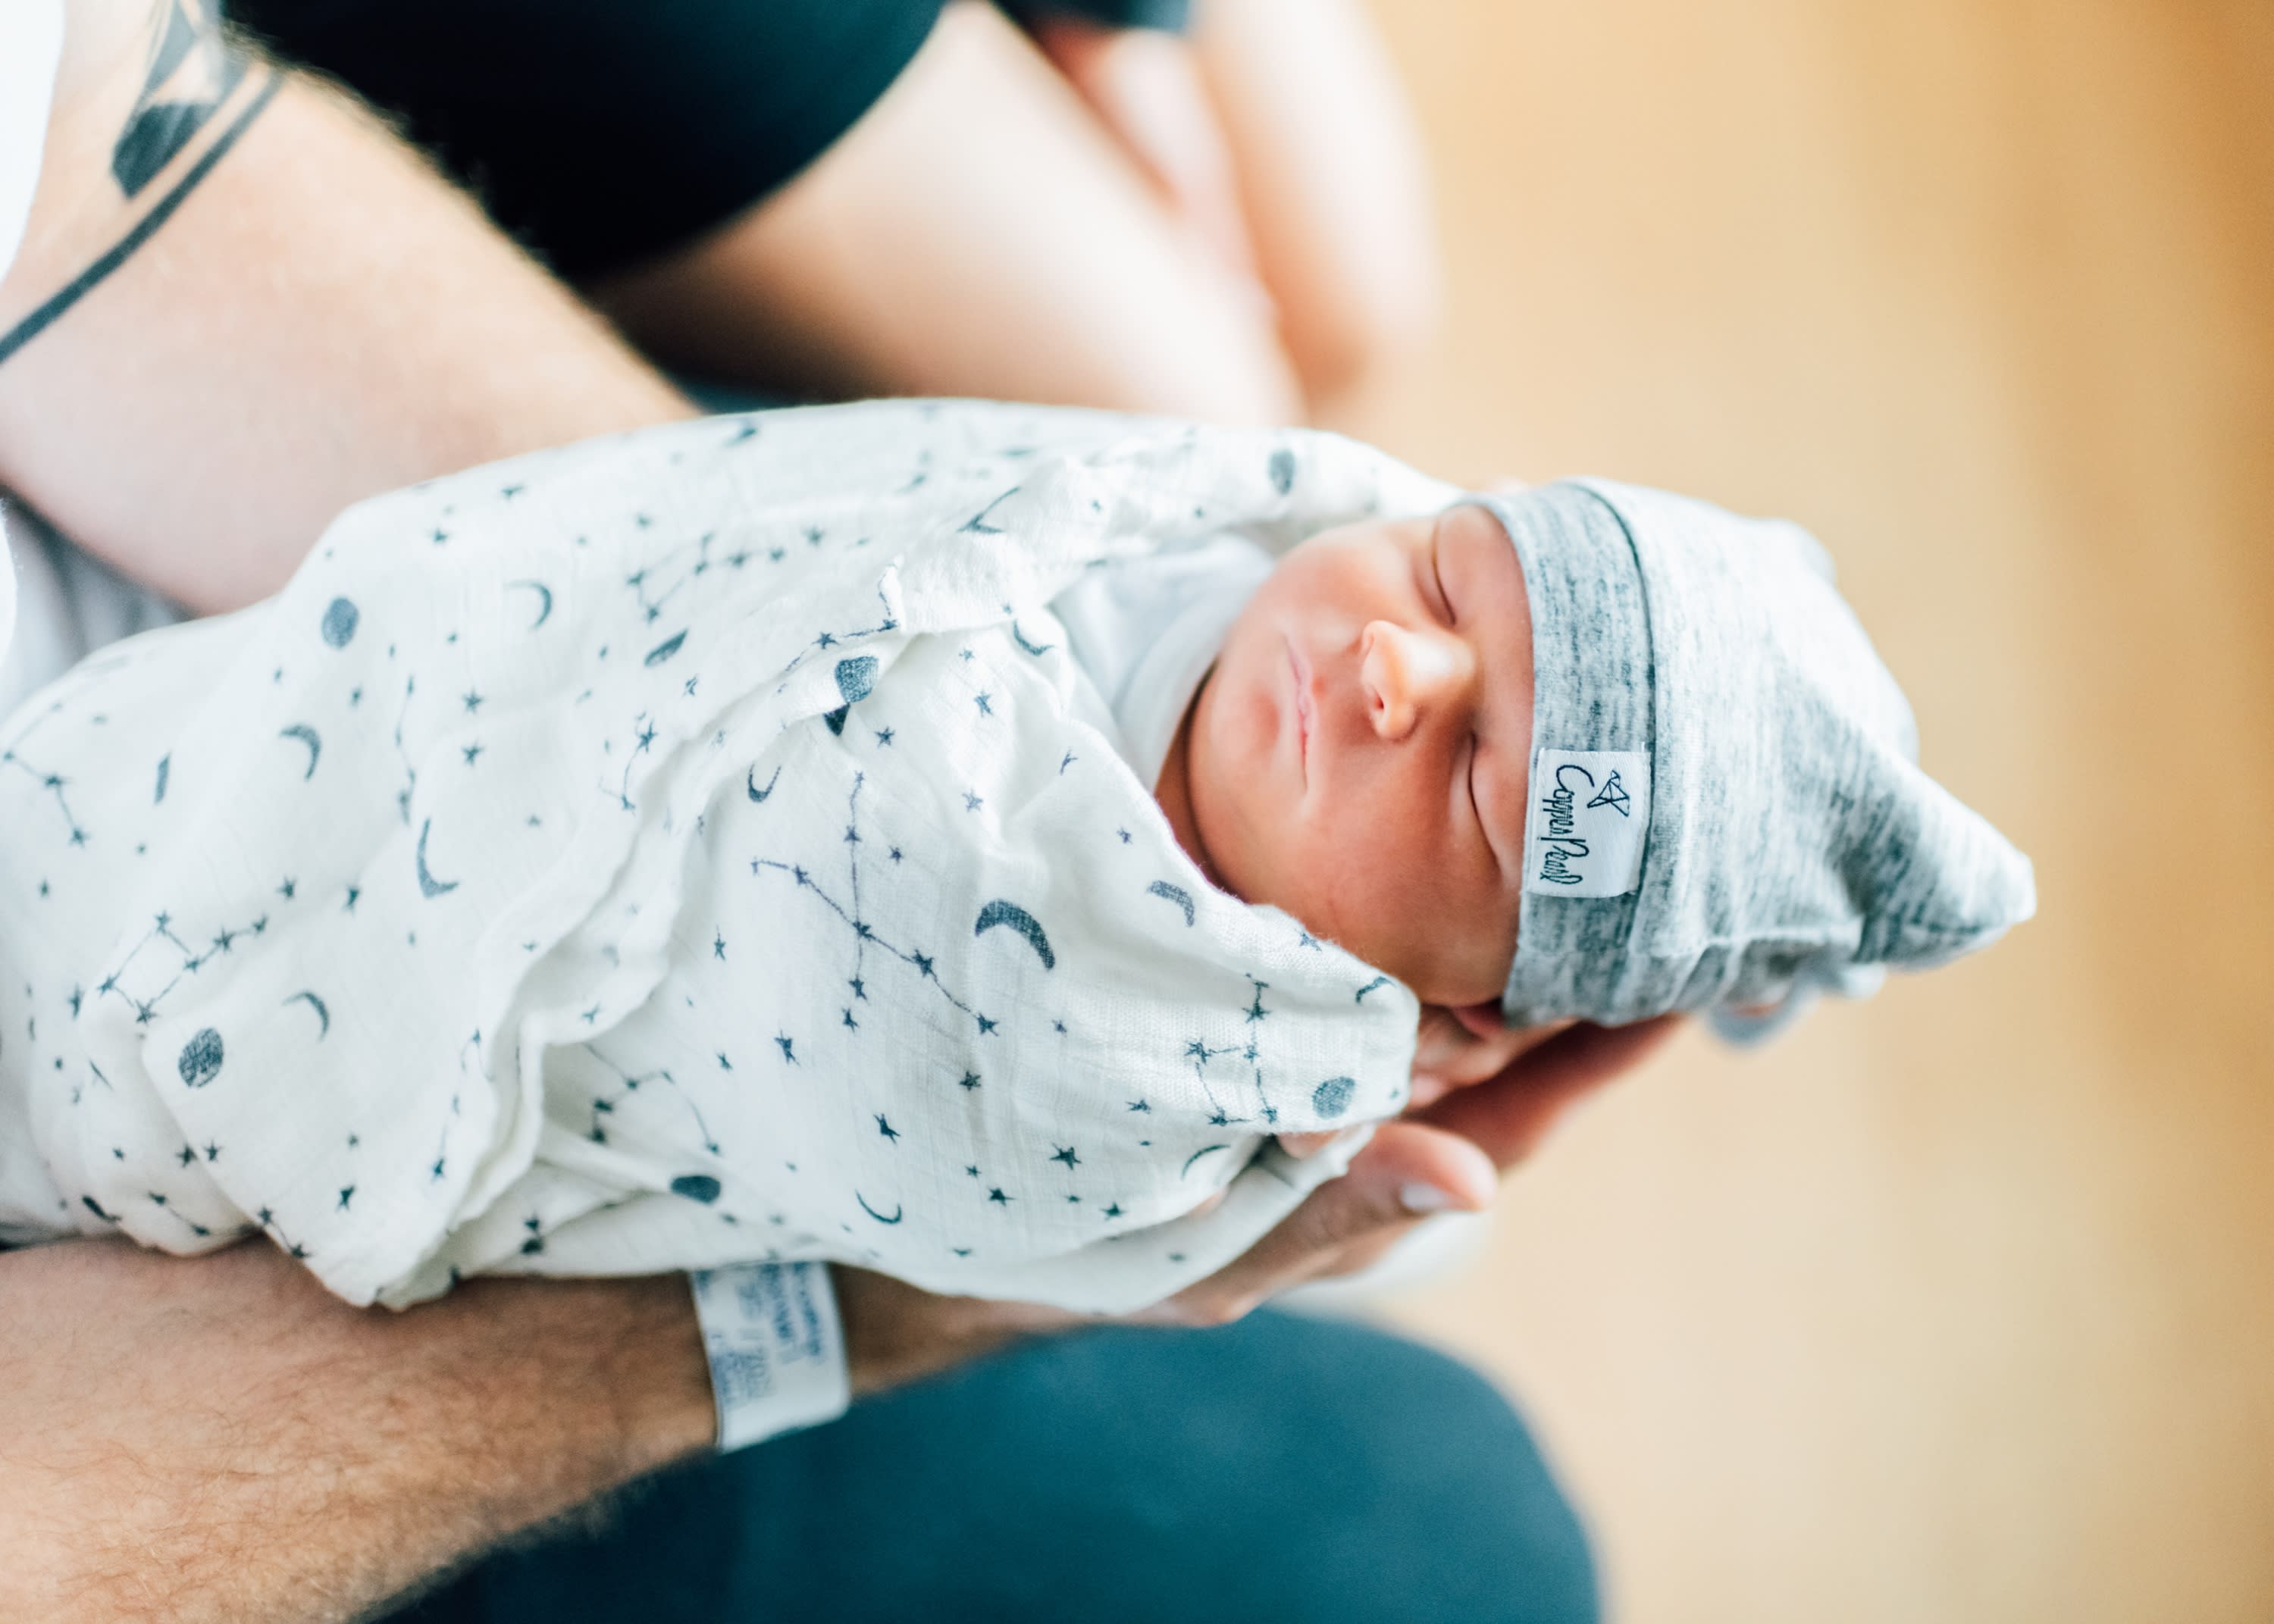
1589	811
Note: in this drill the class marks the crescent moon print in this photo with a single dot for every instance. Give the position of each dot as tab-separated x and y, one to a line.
1378	981
428	886
1203	1151
750	785
317	1004
664	650
165	771
1001	913
306	735
544	600
899	1210
1176	894
1037	650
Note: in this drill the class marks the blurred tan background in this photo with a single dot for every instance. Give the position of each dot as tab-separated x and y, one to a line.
1957	1306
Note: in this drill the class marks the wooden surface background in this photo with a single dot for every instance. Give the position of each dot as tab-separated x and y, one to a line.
1957	1306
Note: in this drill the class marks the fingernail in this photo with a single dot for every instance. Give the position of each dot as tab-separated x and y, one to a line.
1420	1198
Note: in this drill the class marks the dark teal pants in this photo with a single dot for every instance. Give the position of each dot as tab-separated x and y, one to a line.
1281	1469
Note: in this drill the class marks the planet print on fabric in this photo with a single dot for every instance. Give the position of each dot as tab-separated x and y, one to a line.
200	1059
339	623
855	677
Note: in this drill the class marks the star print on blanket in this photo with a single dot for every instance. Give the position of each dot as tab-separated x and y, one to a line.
683	848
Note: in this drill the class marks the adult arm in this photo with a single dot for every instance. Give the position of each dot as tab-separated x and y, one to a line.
217	1439
233	322
1279	132
976	232
221	1440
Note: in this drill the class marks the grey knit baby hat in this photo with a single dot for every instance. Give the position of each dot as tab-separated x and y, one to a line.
1726	811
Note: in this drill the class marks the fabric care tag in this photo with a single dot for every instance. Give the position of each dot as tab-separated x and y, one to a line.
1590	809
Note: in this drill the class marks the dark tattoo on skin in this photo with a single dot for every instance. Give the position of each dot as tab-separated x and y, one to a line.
195	67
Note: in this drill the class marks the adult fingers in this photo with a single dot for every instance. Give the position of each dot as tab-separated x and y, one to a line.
1507	1116
1405	1173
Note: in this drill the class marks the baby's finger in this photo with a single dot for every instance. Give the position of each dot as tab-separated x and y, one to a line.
1301	1145
1508	1115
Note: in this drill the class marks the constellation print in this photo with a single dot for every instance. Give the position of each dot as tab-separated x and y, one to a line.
632	1084
144	984
865	935
1203	1055
402	796
642	741
824	640
656	584
47	782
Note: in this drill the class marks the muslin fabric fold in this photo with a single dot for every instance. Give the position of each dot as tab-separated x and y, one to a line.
682	848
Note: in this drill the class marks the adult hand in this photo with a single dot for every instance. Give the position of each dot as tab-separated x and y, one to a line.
1444	1157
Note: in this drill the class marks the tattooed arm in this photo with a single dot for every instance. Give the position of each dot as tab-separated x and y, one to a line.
242	305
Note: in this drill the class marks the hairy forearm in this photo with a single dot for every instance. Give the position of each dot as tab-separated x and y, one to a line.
267	313
219	1438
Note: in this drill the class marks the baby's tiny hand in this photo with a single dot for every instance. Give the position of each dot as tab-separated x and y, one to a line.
1456	1048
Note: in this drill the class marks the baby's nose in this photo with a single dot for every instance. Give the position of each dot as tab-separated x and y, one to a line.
1406	673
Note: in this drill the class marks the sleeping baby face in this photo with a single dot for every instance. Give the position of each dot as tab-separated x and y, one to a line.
1360	754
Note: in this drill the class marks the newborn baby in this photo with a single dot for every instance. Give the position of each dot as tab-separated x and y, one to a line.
739	840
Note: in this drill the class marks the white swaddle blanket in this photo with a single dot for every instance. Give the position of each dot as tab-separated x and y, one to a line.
687	847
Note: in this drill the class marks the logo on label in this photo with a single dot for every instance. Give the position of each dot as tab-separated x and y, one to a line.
1590	810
